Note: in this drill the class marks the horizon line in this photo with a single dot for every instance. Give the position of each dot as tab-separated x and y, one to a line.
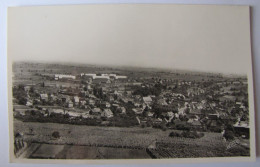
130	66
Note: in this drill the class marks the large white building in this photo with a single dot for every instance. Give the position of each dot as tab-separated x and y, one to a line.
120	77
104	76
64	76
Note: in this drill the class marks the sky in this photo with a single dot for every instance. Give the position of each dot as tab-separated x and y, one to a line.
200	38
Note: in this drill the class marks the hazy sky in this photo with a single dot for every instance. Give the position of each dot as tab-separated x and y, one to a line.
204	38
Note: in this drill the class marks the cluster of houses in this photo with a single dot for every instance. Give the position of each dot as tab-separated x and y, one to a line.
107	95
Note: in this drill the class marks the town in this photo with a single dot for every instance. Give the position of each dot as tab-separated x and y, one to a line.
183	104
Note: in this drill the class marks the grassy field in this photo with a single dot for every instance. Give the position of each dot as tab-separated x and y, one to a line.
88	142
110	136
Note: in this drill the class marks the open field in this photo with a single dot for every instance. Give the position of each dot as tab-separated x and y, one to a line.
92	142
25	73
109	136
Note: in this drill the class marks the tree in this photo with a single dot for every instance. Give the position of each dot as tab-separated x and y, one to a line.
22	101
31	90
229	135
244	117
21	87
187	110
18	135
56	135
33	113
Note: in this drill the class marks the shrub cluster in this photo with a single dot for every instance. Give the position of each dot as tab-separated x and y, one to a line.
187	134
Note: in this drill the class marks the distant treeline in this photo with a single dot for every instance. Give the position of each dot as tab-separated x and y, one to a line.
119	121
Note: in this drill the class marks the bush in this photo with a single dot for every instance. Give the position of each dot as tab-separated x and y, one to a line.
56	134
229	135
17	135
215	129
22	101
239	151
160	126
183	127
148	124
174	134
187	134
164	128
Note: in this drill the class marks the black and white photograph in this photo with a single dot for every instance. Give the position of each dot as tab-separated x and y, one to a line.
130	82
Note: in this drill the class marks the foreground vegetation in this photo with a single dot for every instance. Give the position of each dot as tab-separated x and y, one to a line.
210	145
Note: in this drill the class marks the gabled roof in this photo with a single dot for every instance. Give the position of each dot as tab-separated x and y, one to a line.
147	99
44	95
96	110
108	112
195	111
196	123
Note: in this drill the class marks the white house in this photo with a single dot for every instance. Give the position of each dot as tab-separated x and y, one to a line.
107	113
44	96
76	100
147	100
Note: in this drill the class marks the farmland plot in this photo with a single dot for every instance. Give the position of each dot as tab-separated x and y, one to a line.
111	142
